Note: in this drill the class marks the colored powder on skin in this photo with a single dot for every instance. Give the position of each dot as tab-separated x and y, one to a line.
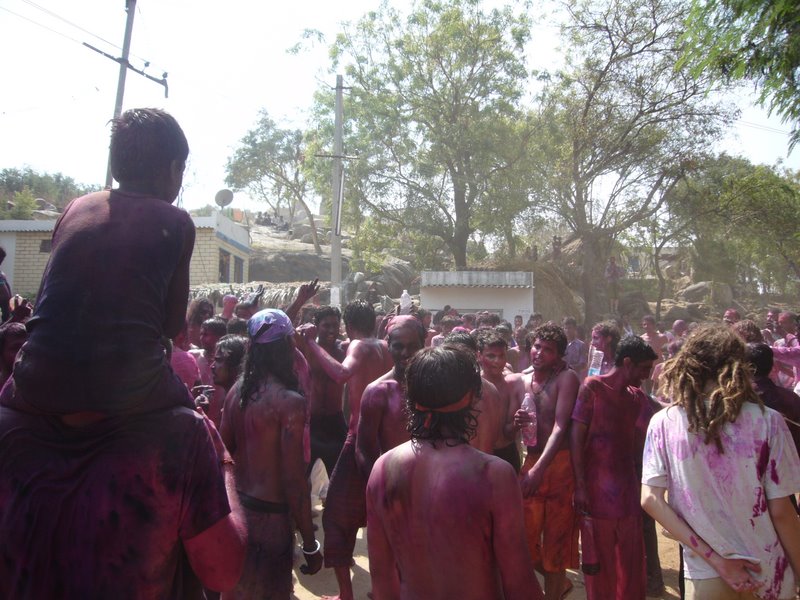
693	540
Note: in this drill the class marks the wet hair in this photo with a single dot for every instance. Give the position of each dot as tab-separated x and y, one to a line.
234	348
503	329
488	320
549	332
748	331
635	348
144	143
461	338
10	331
760	357
236	326
713	353
194	314
649	319
608	328
468	318
570	321
360	316
326	311
274	358
437	378
215	325
490	337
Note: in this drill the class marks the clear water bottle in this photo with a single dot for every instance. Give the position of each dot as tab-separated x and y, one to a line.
405	303
596	361
529	431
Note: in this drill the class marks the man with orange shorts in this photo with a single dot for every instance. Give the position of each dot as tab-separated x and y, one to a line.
546	477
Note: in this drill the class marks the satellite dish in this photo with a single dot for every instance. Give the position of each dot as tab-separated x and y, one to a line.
223	198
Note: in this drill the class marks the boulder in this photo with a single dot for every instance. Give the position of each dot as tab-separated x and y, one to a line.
719	294
675	312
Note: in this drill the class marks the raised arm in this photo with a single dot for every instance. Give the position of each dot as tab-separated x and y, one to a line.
304	293
340	372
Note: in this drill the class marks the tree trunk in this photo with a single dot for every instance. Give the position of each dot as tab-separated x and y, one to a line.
593	270
313	225
662	283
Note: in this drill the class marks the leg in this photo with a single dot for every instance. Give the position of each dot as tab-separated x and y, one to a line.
603	585
631	572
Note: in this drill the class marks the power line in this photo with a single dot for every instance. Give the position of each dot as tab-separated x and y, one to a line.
61	33
68	22
764	127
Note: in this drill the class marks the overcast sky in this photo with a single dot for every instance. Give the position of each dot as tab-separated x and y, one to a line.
226	61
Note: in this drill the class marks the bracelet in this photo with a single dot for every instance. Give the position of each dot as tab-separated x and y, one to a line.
314	551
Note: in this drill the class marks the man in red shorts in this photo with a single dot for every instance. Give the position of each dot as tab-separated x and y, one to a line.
547	482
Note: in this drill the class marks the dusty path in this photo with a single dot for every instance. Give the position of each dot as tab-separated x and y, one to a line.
324	583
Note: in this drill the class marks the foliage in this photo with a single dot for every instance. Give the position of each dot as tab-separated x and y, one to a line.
21	207
619	125
755	40
377	239
269	164
434	113
56	189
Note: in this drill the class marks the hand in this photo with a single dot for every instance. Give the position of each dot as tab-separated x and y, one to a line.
737	572
307	291
202	402
522	418
313	563
21	309
580	500
207	390
307	330
531	481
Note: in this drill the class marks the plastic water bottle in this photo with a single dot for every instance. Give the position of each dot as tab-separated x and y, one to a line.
529	431
405	303
596	363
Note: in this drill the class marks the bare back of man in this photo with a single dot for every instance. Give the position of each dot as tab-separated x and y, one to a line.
383	421
369	359
265	439
429	533
491	417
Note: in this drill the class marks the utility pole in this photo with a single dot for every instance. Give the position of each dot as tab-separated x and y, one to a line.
337	182
130	7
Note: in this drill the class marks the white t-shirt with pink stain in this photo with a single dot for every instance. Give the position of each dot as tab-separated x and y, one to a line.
723	496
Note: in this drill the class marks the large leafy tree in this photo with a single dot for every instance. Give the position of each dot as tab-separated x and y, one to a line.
270	164
434	112
619	125
753	40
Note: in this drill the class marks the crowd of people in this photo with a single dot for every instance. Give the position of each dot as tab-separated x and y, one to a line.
150	448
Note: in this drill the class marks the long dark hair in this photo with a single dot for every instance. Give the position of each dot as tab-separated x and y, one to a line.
276	359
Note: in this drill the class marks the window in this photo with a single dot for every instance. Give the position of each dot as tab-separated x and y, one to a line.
45	245
224	266
238	270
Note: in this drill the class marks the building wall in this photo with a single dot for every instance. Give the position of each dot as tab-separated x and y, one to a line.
205	258
508	302
29	261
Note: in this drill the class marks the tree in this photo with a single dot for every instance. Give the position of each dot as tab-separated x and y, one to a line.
58	189
434	105
269	163
754	40
618	125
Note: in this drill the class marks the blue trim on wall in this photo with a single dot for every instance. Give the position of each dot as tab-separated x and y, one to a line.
233	243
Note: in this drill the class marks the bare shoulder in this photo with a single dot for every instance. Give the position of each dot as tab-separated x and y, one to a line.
377	391
568	377
290	402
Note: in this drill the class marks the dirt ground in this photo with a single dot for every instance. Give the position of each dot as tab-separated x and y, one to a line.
311	587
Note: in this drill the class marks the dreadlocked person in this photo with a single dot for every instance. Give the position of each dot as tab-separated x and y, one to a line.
444	520
729	465
263	425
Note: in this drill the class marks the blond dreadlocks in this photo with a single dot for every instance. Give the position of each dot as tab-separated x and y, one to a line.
710	366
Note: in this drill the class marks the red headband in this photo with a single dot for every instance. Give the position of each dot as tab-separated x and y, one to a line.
465	401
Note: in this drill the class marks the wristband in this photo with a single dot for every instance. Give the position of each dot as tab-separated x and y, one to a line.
314	551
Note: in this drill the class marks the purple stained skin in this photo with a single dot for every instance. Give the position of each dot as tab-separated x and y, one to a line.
693	540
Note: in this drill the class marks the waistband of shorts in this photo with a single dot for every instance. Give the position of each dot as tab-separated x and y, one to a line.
262	506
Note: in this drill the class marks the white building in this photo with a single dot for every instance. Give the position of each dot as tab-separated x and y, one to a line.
507	293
